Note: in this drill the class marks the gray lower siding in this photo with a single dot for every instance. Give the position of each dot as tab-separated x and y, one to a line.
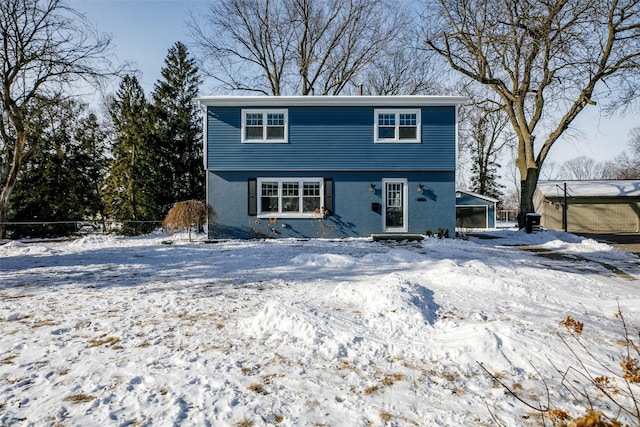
353	214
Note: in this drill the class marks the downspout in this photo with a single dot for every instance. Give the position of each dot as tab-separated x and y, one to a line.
455	163
203	109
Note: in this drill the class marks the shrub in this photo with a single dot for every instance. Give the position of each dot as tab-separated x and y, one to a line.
609	398
184	215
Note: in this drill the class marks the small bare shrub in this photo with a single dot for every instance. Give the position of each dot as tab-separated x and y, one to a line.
608	398
264	229
184	215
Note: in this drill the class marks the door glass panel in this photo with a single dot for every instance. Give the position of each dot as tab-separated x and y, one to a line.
395	212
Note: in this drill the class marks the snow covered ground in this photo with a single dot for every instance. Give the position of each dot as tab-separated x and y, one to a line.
134	332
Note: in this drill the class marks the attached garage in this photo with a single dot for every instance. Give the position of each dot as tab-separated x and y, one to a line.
475	210
592	206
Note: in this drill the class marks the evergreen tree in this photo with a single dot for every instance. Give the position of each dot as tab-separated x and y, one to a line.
177	128
484	176
131	189
60	180
484	138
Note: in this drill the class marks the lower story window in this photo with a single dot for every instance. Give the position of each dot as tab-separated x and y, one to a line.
290	197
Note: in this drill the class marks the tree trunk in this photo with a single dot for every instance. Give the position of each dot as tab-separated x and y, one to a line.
3	212
9	180
5	194
527	188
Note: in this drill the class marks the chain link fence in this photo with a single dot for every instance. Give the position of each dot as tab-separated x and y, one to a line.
51	229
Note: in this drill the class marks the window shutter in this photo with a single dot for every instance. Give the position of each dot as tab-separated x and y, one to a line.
328	196
252	201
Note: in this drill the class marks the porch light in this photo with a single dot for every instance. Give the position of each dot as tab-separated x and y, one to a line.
420	187
371	187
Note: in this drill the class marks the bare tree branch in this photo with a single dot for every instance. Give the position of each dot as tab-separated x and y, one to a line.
546	60
280	47
45	46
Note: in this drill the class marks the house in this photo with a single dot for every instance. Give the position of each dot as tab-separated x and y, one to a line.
592	206
330	166
475	210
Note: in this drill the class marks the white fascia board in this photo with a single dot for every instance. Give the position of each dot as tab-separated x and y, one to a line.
331	101
479	196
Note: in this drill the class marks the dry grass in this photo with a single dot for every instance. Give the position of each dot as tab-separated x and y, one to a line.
386	417
371	390
43	323
79	398
7	360
258	388
105	341
244	423
390	379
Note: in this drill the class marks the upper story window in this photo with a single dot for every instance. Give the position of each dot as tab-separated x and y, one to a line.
264	125
397	125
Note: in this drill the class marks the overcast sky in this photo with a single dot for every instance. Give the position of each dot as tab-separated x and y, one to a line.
144	30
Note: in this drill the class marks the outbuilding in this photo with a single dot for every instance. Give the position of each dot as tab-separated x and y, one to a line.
475	210
601	206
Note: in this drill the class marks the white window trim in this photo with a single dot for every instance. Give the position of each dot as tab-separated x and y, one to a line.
281	214
405	205
396	139
264	113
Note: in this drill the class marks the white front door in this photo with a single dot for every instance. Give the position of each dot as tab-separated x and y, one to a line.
395	204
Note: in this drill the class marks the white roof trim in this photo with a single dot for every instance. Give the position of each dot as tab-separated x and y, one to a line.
610	188
479	196
332	101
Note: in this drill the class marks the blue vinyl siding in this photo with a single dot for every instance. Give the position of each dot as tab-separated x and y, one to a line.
331	138
352	215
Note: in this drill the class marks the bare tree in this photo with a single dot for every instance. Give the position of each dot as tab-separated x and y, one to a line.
546	61
581	168
279	47
402	69
484	136
245	44
625	165
551	170
44	46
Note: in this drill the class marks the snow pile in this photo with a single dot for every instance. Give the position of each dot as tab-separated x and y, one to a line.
132	331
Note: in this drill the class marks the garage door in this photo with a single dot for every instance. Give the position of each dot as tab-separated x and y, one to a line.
603	217
471	216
